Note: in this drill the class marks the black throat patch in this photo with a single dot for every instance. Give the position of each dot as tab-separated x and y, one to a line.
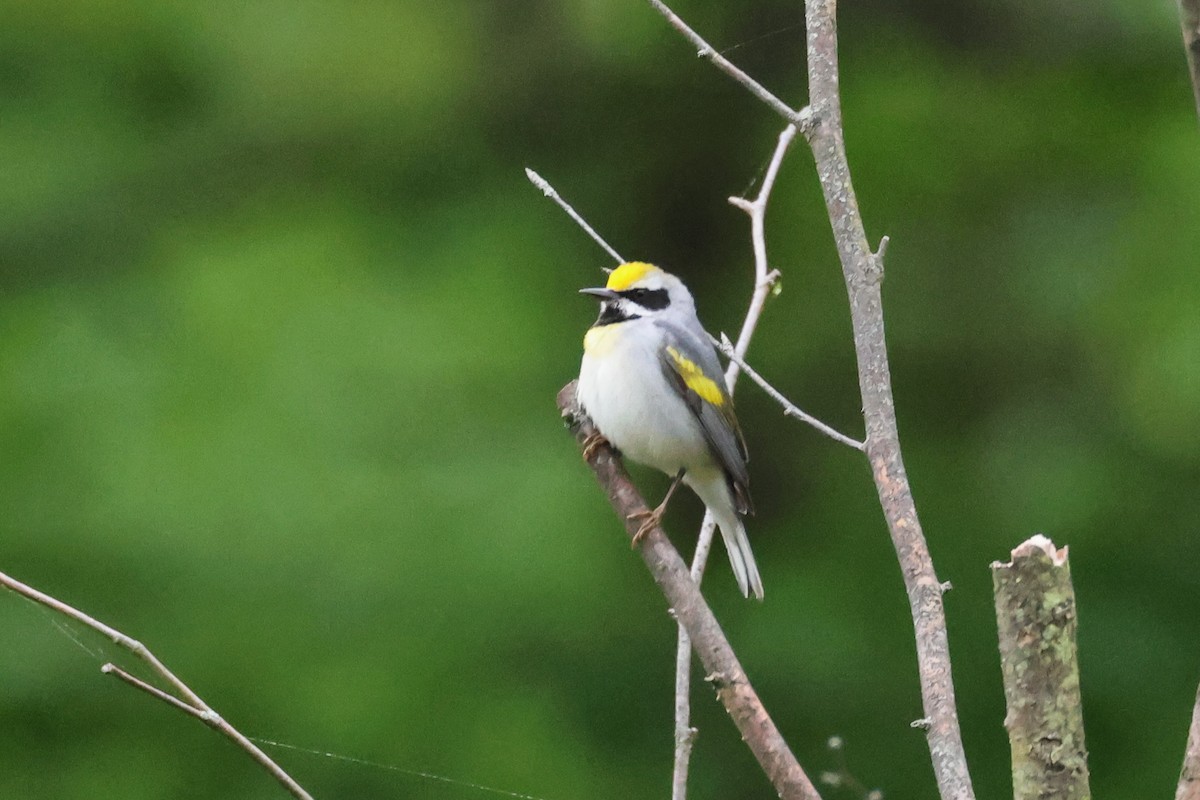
632	301
613	312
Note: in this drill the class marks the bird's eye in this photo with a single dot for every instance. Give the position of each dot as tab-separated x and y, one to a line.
637	295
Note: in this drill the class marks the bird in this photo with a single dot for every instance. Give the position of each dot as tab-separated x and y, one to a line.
651	382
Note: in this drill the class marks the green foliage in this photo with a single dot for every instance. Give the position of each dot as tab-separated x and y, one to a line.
281	325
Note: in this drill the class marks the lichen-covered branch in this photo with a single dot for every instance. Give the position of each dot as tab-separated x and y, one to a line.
722	668
1036	616
1189	776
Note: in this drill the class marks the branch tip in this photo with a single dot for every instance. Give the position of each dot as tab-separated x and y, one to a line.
549	191
539	182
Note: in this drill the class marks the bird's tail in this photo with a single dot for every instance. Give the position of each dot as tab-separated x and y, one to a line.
741	558
719	500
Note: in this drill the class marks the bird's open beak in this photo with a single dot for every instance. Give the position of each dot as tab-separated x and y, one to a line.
601	293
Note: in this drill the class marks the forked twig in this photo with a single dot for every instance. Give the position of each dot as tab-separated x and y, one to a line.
764	280
184	698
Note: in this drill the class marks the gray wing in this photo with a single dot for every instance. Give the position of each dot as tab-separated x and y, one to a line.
691	367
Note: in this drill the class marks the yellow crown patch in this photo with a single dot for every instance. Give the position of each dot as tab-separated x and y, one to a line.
628	274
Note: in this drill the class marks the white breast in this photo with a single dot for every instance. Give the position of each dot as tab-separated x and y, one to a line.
624	391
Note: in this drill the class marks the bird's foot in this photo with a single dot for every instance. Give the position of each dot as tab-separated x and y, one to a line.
593	441
650	521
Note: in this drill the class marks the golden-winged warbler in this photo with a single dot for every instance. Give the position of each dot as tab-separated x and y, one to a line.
651	382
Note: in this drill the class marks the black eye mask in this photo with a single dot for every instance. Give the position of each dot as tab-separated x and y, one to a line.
649	299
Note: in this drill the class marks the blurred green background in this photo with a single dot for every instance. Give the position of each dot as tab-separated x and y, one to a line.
281	325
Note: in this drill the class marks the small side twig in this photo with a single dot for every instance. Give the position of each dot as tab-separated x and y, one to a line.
1036	618
683	597
789	408
1189	777
552	193
184	700
1189	20
153	691
802	117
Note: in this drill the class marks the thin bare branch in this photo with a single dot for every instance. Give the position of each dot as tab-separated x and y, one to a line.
187	700
863	273
685	734
789	408
1189	20
552	193
683	597
1189	777
802	118
153	691
764	279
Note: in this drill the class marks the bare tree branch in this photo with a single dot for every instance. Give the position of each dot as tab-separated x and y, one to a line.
863	273
802	118
552	193
764	280
1037	619
683	596
1189	776
186	700
789	408
1189	20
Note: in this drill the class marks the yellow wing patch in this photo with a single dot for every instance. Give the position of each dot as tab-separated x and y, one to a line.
628	274
695	379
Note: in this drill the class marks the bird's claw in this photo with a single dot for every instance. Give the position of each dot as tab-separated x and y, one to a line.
650	521
593	441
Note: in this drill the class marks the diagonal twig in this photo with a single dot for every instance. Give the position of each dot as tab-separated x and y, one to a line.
721	665
184	698
552	193
789	408
802	117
